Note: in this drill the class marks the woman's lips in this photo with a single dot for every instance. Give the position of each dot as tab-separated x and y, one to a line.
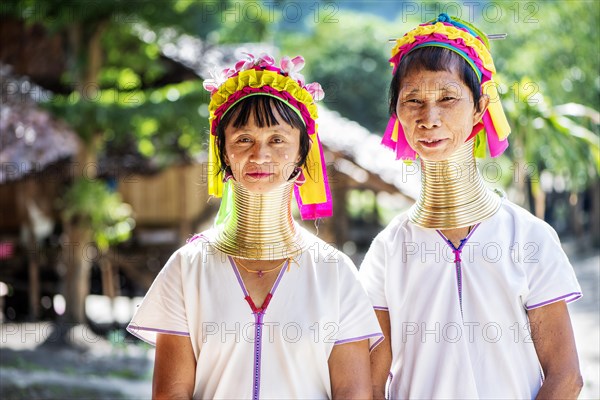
431	143
259	175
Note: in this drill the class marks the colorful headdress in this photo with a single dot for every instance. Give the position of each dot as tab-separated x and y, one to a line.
473	46
260	76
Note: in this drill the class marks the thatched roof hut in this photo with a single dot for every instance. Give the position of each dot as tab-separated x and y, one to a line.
34	149
30	138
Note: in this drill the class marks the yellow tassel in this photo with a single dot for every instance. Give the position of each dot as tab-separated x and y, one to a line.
313	190
395	131
215	184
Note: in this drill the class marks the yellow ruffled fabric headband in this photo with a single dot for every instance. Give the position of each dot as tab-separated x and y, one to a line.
260	76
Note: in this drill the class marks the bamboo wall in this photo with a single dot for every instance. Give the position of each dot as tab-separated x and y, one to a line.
176	194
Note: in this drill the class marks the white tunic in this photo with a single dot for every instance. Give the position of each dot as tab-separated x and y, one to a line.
460	329
316	303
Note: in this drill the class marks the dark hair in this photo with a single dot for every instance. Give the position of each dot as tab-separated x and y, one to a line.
434	59
261	108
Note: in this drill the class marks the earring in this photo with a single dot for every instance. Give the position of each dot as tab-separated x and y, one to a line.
298	176
227	173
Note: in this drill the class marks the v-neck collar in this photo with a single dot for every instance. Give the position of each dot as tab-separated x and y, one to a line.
463	241
263	306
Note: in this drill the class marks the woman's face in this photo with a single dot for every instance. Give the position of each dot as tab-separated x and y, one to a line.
262	159
437	113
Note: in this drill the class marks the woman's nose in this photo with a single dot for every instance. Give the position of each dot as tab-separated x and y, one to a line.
260	153
429	117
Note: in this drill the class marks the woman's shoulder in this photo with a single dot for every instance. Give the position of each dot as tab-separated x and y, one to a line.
520	216
396	230
319	251
400	221
523	223
197	246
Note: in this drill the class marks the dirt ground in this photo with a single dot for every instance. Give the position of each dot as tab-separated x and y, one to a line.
120	367
32	366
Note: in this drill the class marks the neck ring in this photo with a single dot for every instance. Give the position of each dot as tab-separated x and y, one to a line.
453	193
259	226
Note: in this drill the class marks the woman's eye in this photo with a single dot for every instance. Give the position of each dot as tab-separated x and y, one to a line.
413	101
448	98
277	140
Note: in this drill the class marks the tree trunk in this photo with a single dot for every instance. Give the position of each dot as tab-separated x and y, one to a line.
339	228
77	259
539	199
110	287
75	285
34	286
84	61
576	211
78	246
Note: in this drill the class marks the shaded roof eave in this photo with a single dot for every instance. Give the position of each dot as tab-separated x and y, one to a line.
30	138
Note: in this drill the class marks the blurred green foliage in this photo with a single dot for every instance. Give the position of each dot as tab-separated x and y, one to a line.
349	59
549	58
167	122
547	139
92	204
555	44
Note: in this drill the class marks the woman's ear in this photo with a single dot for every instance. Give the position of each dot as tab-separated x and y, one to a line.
483	103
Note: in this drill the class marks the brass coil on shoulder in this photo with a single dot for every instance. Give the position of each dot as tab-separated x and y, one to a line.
453	193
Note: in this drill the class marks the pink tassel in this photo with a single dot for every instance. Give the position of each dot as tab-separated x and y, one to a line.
387	140
496	145
403	149
401	146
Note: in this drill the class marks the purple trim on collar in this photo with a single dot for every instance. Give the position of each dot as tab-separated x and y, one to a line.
281	272
241	282
472	231
358	338
462	242
238	276
567	298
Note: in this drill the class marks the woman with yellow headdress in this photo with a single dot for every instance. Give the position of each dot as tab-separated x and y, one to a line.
470	290
258	307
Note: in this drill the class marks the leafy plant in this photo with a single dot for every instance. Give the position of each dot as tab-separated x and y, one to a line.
92	204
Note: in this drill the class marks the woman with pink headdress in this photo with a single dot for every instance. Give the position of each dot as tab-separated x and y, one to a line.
258	307
470	289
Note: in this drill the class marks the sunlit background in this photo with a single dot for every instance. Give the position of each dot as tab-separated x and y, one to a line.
103	136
